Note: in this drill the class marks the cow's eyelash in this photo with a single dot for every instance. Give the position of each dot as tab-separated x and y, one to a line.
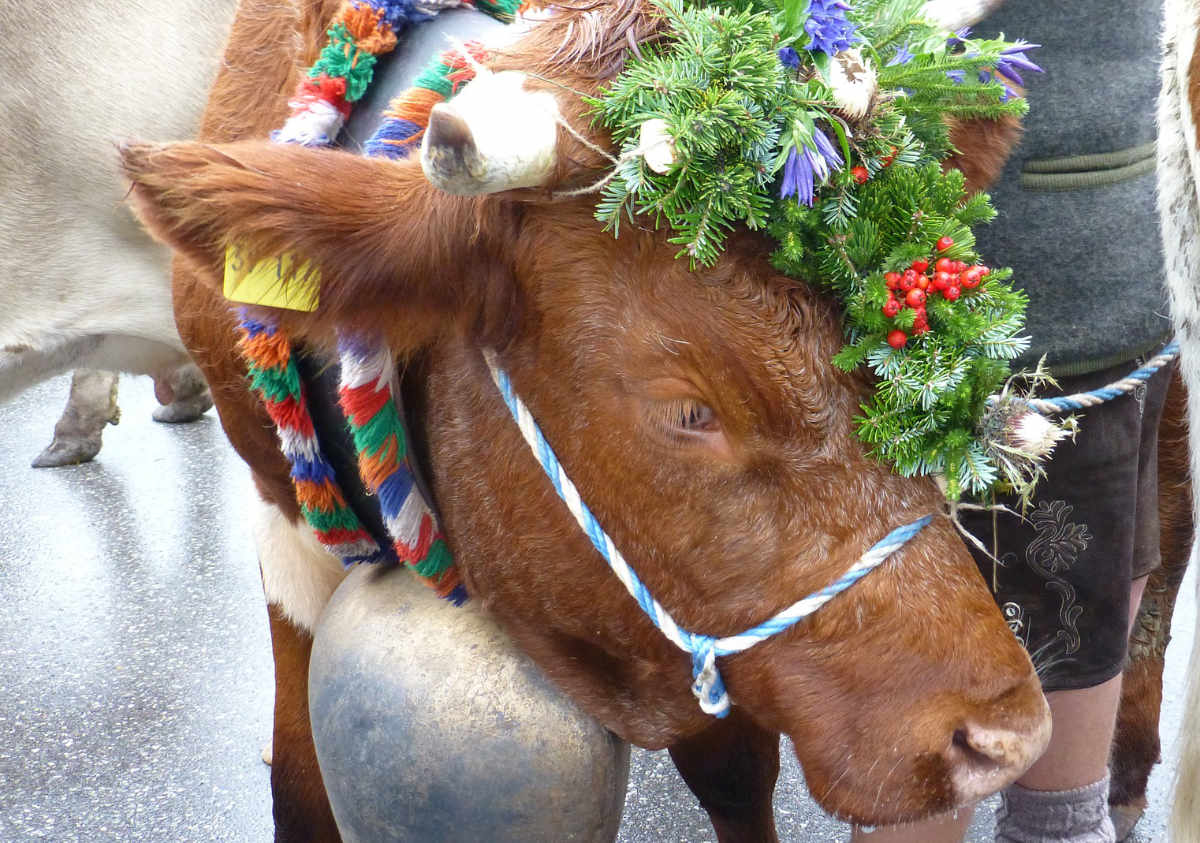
684	414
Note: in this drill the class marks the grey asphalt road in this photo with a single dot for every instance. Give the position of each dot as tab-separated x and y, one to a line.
135	667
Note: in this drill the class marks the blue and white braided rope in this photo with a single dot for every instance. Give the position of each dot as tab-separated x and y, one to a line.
708	686
1095	397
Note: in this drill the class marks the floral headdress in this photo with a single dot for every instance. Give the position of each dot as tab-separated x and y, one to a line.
824	123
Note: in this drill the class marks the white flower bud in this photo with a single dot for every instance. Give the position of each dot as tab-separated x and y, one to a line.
854	82
1036	435
657	145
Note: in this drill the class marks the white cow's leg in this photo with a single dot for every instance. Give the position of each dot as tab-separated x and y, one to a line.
91	405
23	366
186	394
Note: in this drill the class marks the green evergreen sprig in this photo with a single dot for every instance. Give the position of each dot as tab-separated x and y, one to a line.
755	98
718	87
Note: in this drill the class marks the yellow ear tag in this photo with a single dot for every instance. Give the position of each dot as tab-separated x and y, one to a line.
272	282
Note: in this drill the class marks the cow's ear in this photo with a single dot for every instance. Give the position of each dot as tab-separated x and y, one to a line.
388	248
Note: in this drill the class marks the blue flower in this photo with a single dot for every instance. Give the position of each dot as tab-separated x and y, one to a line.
903	56
797	178
828	28
806	165
957	76
1014	59
828	153
960	35
1011	62
788	57
986	76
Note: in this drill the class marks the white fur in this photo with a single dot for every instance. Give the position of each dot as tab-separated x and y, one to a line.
1179	208
299	575
314	126
515	132
952	14
80	283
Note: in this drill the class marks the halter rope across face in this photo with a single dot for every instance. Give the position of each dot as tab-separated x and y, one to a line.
707	684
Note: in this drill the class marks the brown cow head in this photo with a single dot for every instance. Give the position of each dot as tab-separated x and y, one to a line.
700	417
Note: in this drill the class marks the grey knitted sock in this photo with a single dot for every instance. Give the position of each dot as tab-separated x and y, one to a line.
1055	816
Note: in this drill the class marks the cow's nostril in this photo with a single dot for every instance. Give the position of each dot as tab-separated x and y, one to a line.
983	759
448	131
982	748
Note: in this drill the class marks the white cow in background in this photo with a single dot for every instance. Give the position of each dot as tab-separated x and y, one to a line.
1179	206
81	285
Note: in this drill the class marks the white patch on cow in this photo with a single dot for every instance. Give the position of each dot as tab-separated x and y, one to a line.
80	283
299	575
514	130
953	14
1179	210
314	126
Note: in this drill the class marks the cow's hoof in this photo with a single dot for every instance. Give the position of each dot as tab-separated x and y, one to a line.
184	409
183	394
67	451
1124	818
430	724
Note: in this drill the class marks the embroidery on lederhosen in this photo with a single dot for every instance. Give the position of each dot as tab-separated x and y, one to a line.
1014	616
1055	548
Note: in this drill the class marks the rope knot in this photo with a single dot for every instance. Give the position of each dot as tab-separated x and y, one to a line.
707	684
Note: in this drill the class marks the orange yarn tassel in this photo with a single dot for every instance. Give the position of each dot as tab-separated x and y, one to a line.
375	468
414	106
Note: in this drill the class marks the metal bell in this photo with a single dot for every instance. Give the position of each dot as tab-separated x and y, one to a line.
430	725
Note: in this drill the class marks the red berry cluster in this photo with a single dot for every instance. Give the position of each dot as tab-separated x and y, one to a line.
913	286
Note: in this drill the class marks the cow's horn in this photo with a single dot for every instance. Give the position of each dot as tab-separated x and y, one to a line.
493	136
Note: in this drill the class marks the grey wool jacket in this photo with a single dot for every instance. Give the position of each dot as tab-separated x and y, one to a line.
1077	218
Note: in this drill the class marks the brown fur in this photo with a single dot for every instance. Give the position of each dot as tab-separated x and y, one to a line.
982	148
1193	92
271	41
300	806
601	337
1136	744
731	767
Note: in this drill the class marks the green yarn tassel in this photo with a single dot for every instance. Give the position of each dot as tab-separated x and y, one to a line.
436	562
274	384
503	10
342	57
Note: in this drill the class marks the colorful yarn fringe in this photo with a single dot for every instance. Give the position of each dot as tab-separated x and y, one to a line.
379	438
273	375
379	435
405	118
361	31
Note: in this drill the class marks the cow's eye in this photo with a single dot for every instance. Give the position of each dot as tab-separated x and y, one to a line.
686	415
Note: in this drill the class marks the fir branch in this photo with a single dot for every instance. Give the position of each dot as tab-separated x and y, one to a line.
738	116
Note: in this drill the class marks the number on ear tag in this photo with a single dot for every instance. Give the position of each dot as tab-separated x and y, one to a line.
272	282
